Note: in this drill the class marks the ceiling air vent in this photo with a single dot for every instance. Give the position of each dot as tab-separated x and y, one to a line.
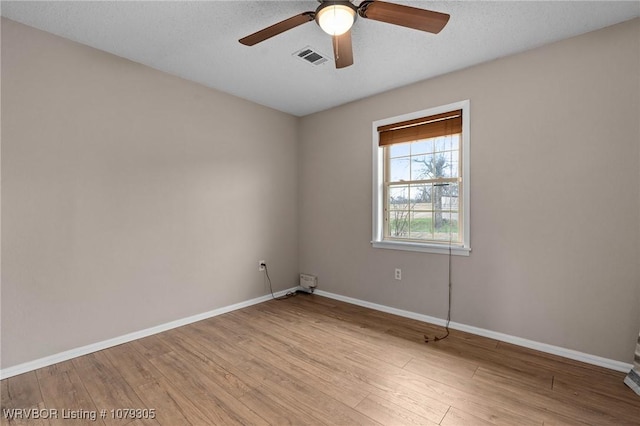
310	55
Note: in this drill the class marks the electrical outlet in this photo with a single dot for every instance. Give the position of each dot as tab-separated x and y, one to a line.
398	274
261	265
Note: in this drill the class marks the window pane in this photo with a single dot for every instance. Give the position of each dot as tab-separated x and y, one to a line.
452	170
445	196
449	166
446	206
421	226
422	147
450	196
445	226
447	143
422	167
399	150
440	165
398	221
442	142
427	196
399	169
419	195
398	198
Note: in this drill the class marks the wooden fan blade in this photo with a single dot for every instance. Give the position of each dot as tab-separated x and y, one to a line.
342	50
405	16
278	28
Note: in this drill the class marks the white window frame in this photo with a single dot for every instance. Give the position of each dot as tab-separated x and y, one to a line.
378	240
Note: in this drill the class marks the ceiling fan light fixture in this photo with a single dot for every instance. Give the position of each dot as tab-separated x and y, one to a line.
336	19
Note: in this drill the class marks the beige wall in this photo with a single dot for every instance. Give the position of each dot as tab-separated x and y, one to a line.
554	197
131	198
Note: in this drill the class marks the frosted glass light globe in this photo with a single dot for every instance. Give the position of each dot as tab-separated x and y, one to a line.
336	19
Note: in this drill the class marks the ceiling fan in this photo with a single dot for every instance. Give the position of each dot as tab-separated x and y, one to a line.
337	17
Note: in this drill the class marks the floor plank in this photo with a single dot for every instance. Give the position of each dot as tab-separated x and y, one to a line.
456	417
389	413
23	393
107	388
170	406
62	387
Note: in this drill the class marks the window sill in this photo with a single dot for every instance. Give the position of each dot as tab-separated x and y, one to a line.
424	248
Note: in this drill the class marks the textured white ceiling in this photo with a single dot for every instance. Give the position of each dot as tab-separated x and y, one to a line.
198	41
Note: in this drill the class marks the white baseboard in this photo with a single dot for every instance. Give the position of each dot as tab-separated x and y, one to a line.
542	347
94	347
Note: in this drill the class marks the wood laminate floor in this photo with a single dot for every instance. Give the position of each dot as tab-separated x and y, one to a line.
310	360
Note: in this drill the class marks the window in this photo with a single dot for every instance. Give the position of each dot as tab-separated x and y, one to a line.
421	181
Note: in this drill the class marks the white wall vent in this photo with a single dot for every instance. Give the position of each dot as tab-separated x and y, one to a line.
311	55
308	282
